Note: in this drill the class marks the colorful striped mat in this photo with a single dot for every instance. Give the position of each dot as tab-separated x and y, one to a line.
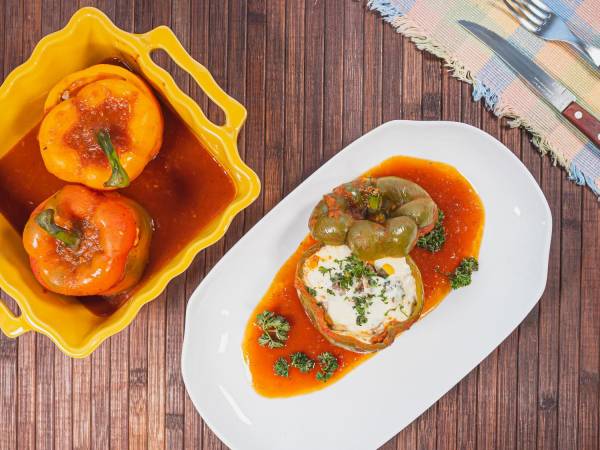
433	26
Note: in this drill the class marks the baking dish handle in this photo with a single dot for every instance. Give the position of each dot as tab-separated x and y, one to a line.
163	38
12	325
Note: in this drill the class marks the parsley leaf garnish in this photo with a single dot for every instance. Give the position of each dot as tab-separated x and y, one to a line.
434	240
275	329
361	306
281	367
329	364
302	362
311	291
462	274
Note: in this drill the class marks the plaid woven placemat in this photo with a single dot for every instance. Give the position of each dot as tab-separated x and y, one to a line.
433	26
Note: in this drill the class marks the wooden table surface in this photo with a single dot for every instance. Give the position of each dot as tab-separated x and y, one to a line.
314	75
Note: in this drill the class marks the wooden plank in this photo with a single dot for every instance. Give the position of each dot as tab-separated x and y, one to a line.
430	110
314	86
528	341
256	19
487	380
391	98
467	388
569	326
352	117
506	416
274	106
236	87
294	95
100	396
447	418
589	362
138	381
8	388
81	400
412	84
11	22
372	71
333	76
548	343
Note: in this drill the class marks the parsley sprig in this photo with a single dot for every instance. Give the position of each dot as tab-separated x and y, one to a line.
434	240
329	364
302	362
275	329
462	274
281	367
361	306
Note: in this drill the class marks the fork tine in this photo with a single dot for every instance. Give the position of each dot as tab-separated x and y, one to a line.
542	15
526	14
523	21
541	5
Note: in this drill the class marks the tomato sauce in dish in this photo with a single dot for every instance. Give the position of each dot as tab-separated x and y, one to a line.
463	222
183	189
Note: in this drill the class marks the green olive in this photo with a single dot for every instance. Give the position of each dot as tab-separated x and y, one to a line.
370	241
401	236
422	210
398	191
365	239
330	230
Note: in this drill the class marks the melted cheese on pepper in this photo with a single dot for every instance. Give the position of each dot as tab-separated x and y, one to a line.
361	306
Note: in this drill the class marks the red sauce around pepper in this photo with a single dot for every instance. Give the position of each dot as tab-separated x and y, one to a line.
464	219
183	189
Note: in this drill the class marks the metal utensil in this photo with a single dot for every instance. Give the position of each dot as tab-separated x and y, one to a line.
538	18
548	88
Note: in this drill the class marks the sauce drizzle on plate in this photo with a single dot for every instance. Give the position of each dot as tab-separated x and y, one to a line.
464	219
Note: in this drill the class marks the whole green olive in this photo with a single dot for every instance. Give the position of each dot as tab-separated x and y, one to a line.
422	210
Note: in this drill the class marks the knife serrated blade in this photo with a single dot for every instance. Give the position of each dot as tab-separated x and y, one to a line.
541	82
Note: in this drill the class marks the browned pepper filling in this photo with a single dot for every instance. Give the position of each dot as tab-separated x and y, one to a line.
111	115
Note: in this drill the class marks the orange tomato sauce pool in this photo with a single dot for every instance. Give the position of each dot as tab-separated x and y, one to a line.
183	189
464	219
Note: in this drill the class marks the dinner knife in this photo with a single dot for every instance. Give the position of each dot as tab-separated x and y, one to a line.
543	84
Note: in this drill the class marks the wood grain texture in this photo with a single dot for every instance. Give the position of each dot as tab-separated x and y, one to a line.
314	75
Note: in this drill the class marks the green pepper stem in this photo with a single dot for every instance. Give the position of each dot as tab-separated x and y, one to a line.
374	202
45	220
119	177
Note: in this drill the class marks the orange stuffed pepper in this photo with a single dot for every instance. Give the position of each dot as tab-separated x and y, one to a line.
102	126
83	242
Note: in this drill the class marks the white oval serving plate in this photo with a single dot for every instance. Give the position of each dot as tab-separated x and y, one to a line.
384	394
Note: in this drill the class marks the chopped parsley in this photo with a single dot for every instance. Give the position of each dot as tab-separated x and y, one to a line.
302	362
281	367
462	274
352	269
275	329
329	364
434	240
311	291
361	306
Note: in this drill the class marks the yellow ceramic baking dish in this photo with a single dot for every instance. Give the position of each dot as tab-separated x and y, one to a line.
89	38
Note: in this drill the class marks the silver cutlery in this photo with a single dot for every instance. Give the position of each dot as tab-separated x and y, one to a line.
538	18
548	88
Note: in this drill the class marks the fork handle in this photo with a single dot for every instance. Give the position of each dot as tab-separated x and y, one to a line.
584	121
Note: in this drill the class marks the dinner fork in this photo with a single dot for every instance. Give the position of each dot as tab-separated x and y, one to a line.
538	18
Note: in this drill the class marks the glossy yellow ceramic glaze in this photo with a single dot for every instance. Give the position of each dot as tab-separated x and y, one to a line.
90	38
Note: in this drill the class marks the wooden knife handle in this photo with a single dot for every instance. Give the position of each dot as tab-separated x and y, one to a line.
584	121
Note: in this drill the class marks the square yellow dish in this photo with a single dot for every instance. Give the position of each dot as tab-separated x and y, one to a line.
90	38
